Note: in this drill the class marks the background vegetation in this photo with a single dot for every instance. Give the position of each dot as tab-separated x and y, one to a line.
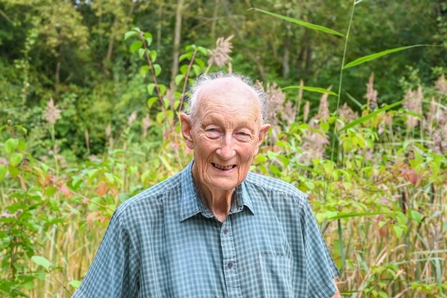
89	115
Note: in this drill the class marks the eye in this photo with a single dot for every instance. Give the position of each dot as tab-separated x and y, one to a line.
212	132
243	136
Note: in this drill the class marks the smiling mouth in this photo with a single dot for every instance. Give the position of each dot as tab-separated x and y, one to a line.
224	168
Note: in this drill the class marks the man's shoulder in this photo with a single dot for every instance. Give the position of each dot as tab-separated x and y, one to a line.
274	185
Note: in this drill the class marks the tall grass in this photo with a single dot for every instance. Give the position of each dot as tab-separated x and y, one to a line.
379	198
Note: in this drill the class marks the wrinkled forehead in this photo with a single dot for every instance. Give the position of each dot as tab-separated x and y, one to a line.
228	91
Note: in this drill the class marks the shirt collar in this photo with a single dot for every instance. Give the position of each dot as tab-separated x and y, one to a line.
191	204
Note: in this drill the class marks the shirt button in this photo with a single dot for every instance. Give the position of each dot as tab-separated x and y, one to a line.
230	264
226	231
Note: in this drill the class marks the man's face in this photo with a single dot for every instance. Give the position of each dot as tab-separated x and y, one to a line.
225	135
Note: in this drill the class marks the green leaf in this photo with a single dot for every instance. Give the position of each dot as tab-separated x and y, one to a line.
109	177
196	69
141	52
11	145
41	261
166	102
416	216
129	34
200	63
153	55
75	283
401	218
184	69
165	163
312	89
157	69
444	227
28	285
179	78
160	117
170	114
22	145
369	116
148	38
378	55
185	56
398	230
92	173
348	215
13	172
151	101
3	171
135	46
307	168
15	159
23	129
162	89
150	88
143	70
302	23
203	50
190	48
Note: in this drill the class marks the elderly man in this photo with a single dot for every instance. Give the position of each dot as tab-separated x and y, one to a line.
215	229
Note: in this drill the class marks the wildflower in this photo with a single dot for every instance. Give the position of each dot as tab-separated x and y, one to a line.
439	137
306	111
387	120
132	118
314	145
109	134
219	56
347	114
371	94
323	109
413	103
316	140
441	84
109	130
289	113
146	124
275	103
51	113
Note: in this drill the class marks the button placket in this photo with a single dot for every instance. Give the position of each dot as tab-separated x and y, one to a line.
229	259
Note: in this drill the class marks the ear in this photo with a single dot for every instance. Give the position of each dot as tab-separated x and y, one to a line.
186	130
262	133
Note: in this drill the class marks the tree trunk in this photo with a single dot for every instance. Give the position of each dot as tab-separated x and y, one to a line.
285	58
177	32
308	57
111	40
57	76
159	25
213	24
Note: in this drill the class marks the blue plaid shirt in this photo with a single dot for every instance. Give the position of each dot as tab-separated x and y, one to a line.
165	243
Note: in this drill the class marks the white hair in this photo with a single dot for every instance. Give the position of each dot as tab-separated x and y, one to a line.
204	79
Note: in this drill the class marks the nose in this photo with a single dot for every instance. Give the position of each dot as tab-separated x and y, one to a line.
226	149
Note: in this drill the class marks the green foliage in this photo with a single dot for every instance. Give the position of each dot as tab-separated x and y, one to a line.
375	182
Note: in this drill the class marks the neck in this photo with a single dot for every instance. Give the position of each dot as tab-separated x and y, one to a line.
219	202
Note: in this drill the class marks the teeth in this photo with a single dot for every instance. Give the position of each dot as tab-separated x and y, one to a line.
222	167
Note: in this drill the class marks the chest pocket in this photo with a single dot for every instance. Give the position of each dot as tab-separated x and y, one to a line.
275	275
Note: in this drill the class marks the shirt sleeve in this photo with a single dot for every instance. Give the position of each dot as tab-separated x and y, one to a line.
114	272
321	269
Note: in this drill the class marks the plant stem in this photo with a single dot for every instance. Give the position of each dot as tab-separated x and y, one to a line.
186	79
153	72
340	83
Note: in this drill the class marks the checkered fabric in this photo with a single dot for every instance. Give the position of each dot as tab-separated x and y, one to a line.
165	243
